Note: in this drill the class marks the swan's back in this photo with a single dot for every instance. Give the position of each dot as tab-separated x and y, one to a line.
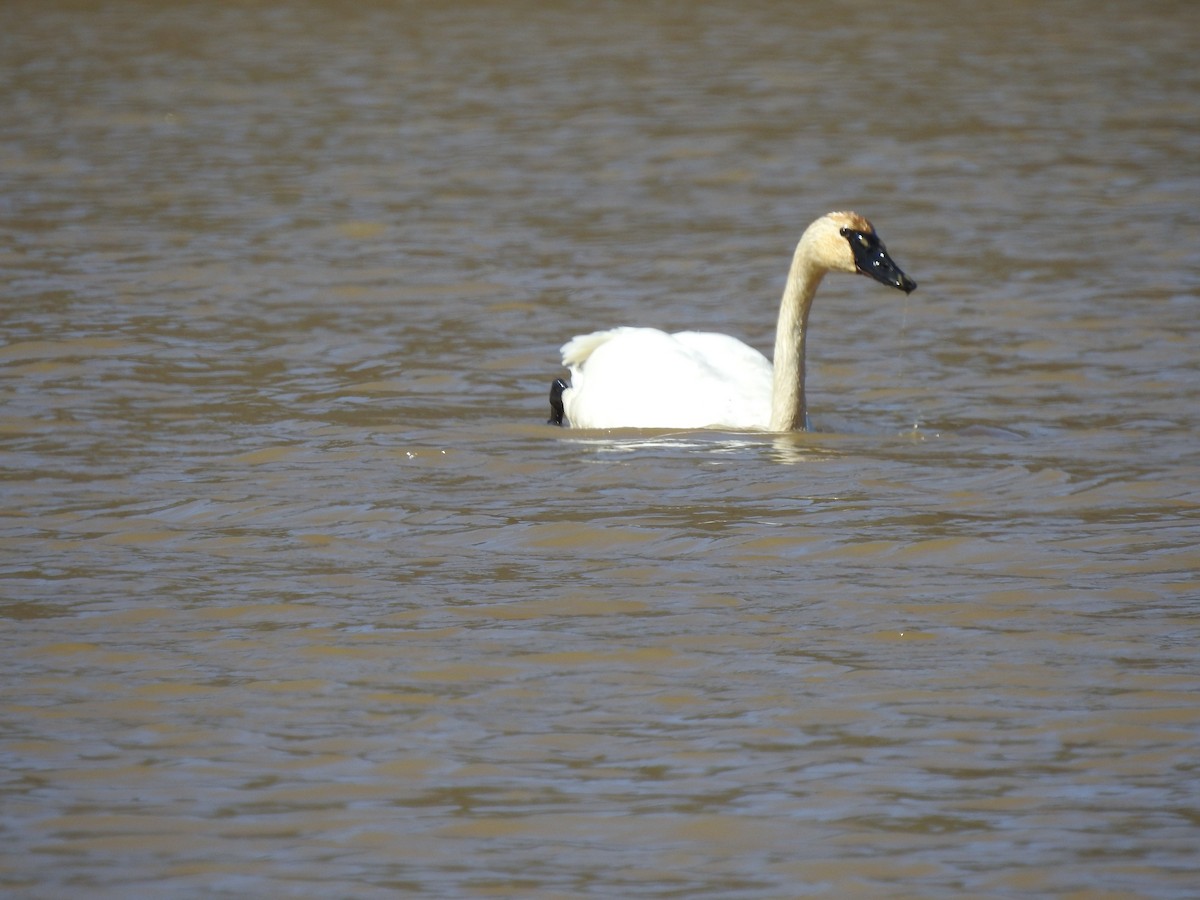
646	378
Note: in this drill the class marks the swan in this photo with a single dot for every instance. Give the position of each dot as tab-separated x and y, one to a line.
645	378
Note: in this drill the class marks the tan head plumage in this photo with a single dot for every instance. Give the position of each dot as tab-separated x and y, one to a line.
851	220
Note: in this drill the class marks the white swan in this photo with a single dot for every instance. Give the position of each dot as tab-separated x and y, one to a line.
646	378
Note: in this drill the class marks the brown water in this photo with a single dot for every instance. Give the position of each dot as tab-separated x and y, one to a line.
300	596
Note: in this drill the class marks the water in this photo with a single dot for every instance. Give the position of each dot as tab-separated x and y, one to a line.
300	596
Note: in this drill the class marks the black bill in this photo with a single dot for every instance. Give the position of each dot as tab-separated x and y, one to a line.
871	258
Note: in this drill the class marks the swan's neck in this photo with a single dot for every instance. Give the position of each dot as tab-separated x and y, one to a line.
789	411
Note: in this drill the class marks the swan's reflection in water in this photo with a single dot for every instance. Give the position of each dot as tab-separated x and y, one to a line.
789	448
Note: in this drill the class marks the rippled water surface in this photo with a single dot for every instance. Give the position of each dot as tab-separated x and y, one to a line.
300	597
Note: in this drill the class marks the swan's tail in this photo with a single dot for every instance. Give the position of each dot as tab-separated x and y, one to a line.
576	351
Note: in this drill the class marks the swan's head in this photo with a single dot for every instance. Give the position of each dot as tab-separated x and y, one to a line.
846	242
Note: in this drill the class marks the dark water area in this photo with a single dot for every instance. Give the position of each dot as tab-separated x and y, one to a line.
299	596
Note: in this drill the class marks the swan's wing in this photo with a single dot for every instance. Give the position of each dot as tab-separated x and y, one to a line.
645	378
736	360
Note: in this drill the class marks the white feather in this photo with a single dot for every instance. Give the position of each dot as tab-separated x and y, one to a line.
646	378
